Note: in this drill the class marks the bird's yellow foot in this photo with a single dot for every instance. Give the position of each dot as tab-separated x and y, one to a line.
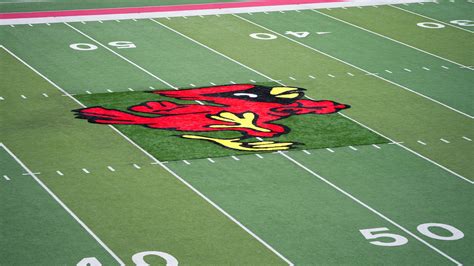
246	121
245	146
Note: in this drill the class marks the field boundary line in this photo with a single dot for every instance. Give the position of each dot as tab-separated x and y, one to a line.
440	21
369	208
57	18
356	67
56	198
256	237
391	39
396	142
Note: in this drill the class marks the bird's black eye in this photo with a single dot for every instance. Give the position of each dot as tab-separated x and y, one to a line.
250	95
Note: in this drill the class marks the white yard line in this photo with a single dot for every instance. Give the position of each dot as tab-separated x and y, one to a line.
395	142
79	221
268	246
119	55
202	12
212	50
415	48
279	82
442	22
388	38
370	208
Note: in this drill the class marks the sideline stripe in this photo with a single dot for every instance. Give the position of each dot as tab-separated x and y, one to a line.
154	159
388	38
57	18
369	208
395	142
442	22
62	204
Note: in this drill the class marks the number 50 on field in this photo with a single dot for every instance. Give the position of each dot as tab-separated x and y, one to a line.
394	240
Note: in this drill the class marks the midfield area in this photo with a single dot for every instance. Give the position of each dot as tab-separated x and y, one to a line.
386	181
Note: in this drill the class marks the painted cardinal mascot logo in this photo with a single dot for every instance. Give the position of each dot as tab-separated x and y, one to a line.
249	109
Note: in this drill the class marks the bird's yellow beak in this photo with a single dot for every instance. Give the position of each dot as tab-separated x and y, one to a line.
285	92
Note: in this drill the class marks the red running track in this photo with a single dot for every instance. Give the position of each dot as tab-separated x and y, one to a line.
127	10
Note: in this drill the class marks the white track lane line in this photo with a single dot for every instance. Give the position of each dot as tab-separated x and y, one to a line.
63	205
442	22
156	160
370	208
394	83
395	142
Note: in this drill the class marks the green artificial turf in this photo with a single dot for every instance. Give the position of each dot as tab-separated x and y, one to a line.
310	131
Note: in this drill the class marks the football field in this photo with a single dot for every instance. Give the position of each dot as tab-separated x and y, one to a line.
381	174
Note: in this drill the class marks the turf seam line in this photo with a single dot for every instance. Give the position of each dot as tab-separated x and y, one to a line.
61	203
415	48
440	21
370	208
386	37
256	237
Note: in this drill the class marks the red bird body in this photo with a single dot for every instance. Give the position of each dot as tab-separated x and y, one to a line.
230	104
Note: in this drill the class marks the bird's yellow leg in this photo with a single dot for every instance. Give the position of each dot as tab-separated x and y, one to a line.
245	146
246	121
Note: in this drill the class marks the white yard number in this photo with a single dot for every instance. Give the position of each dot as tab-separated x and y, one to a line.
373	233
455	233
123	44
83	46
463	22
93	261
398	240
430	25
263	36
138	259
435	25
298	34
90	47
268	36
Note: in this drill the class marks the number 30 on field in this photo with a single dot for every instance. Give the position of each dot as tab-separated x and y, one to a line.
398	240
435	25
